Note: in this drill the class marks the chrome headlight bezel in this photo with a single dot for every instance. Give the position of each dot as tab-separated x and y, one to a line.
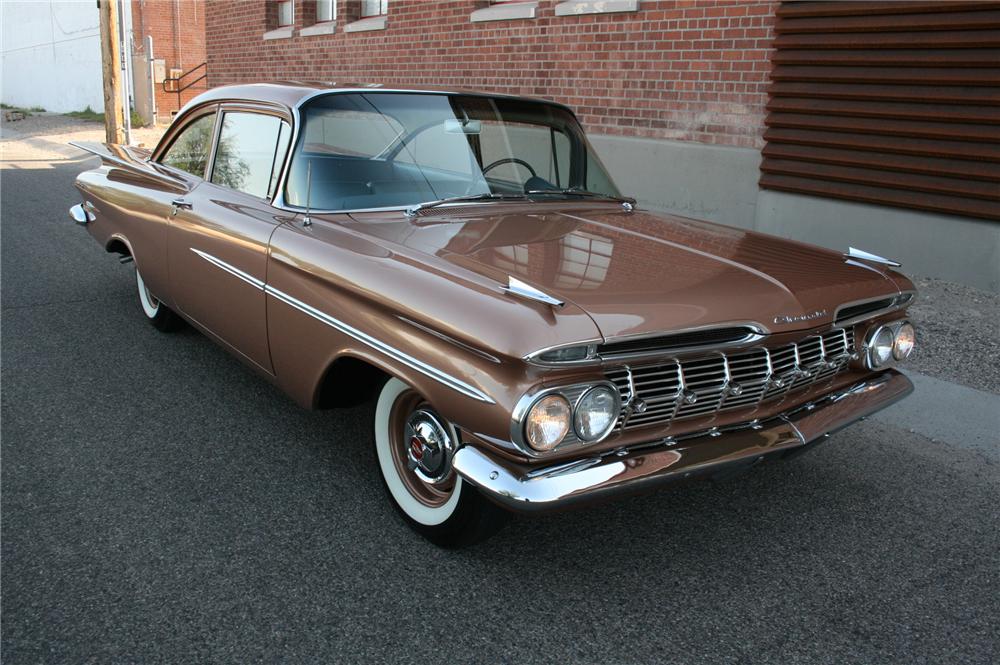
566	425
615	412
897	355
573	393
892	329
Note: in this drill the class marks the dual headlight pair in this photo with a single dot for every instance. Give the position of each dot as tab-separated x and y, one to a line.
591	417
888	343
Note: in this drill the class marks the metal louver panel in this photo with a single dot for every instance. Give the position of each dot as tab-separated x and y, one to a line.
893	103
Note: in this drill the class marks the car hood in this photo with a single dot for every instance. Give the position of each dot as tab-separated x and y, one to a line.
639	272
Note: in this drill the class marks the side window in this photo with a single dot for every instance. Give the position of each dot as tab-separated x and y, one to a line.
251	147
189	151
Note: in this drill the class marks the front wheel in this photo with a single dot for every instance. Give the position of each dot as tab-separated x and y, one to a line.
415	447
161	316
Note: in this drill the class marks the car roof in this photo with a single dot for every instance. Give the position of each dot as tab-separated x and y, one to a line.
291	94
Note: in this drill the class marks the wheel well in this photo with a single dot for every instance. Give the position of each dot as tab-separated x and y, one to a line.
349	382
118	246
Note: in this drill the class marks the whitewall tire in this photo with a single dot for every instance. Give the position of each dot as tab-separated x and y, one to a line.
414	447
161	316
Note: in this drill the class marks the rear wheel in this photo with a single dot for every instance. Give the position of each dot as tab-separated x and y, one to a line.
161	316
415	446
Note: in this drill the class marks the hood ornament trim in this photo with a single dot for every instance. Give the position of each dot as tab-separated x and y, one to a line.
854	253
516	287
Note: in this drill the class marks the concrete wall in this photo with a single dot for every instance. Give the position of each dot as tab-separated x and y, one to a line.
51	55
719	184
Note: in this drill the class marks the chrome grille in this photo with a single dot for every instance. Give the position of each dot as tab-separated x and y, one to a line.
660	392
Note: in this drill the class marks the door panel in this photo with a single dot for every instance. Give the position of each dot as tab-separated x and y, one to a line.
220	233
218	266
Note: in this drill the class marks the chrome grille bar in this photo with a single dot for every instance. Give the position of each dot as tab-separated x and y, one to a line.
659	393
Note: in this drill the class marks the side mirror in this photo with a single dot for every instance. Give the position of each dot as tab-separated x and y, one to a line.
464	126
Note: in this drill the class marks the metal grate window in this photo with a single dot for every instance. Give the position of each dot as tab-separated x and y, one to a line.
894	103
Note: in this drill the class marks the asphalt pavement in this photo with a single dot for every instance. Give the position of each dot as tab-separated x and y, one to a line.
161	503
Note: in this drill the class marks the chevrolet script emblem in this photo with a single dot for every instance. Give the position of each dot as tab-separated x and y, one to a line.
798	318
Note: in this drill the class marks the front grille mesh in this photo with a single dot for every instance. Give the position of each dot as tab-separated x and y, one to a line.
664	391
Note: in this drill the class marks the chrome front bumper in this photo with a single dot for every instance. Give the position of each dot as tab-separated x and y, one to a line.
645	466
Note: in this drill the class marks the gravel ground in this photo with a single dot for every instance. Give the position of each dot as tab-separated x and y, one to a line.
161	503
958	334
46	131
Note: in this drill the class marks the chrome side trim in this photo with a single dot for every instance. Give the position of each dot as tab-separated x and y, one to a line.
235	272
516	287
394	353
855	253
350	331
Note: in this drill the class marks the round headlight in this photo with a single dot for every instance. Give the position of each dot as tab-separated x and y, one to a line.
880	347
906	337
596	413
547	422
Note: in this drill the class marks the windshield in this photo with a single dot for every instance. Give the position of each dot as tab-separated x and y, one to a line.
376	150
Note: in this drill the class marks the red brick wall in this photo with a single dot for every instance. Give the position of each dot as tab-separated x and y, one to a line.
693	70
178	31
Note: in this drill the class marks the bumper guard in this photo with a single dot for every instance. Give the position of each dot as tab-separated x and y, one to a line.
710	453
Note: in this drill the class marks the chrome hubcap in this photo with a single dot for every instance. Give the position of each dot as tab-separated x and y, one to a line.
429	447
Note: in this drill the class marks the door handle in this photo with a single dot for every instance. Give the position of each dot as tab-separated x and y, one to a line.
180	203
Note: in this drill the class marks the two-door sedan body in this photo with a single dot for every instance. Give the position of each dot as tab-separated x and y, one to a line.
528	337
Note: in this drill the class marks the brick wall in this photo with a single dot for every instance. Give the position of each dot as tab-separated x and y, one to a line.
178	31
691	70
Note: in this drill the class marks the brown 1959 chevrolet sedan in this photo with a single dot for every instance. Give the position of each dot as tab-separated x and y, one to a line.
529	337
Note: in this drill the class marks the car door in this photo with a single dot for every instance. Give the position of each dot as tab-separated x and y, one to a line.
221	229
181	164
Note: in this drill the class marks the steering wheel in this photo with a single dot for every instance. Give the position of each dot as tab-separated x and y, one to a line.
511	160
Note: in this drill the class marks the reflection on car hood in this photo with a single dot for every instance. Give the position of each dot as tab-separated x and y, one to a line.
639	272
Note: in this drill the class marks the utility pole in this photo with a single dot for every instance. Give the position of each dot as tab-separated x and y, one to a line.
111	68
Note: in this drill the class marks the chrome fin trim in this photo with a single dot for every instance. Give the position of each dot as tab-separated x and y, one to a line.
350	331
855	253
516	287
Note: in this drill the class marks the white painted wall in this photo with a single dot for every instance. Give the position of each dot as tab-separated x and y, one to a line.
51	54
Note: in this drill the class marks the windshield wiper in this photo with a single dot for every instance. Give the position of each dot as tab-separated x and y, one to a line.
575	191
487	196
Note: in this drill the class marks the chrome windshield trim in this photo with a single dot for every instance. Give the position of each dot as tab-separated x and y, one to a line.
279	196
232	270
350	331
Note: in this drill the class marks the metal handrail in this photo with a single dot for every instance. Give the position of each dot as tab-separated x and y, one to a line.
175	81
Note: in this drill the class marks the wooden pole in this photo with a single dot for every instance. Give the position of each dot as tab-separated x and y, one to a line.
111	67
